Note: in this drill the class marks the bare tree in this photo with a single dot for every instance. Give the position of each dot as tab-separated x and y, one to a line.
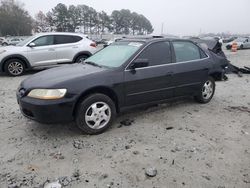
14	20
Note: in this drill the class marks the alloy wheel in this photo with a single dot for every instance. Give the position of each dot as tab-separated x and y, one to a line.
98	115
15	68
207	90
81	60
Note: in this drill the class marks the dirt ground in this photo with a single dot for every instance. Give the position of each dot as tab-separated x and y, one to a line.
189	144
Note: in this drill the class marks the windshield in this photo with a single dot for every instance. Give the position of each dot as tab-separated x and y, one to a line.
22	43
115	55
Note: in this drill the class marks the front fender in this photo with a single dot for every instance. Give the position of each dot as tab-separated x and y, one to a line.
14	56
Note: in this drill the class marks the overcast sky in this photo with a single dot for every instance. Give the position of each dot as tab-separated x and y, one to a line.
180	17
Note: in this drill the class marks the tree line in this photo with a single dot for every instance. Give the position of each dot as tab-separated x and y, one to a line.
14	20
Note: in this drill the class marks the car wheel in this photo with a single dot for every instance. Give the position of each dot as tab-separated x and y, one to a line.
206	92
14	67
4	44
81	59
228	47
95	114
241	46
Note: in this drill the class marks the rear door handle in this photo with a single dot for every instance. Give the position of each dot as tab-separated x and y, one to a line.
51	49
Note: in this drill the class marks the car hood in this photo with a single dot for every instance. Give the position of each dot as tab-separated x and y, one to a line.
10	48
57	76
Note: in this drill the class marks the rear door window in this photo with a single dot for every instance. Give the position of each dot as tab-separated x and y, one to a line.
186	51
66	39
158	53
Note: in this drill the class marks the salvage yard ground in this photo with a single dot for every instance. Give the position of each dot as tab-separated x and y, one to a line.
189	144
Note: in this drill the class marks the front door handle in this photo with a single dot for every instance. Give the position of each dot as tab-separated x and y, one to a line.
51	49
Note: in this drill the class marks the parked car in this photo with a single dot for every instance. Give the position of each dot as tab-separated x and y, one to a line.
15	41
211	38
4	42
242	43
230	39
109	42
101	41
45	50
12	41
1	40
127	74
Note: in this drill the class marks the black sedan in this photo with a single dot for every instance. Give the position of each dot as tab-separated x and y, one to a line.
127	74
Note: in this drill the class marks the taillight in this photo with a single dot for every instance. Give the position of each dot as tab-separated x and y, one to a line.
93	44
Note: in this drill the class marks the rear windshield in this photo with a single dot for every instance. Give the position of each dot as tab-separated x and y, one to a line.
116	54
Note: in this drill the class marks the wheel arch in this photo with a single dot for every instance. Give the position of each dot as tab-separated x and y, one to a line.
98	89
86	53
217	76
16	56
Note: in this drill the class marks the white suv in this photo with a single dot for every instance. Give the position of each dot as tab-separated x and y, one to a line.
44	50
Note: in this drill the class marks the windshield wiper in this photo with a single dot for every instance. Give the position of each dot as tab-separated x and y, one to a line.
92	63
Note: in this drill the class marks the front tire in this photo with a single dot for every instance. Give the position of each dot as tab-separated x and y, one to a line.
14	67
206	92
95	114
81	59
228	47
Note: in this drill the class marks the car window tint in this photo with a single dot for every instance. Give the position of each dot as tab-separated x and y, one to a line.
157	53
65	39
44	41
77	38
186	51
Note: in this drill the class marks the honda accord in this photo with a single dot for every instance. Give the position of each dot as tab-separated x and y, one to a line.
127	74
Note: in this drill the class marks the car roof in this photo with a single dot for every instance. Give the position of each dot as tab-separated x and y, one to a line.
148	39
61	33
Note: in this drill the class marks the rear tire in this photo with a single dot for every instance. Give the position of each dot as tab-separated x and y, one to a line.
81	58
206	92
95	114
241	47
14	67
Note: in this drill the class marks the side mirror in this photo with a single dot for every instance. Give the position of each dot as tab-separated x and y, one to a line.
32	44
139	63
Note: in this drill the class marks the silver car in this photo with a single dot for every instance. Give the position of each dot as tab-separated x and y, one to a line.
45	50
11	41
242	43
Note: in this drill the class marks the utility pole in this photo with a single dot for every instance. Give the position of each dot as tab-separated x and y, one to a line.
162	28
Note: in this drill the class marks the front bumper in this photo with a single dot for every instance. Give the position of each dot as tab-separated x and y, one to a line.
47	111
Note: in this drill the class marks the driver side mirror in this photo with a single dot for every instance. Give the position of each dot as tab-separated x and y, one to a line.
32	44
139	63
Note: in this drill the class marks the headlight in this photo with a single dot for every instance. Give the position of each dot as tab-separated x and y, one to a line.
2	51
48	94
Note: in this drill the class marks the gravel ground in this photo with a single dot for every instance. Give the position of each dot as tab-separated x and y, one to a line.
182	144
